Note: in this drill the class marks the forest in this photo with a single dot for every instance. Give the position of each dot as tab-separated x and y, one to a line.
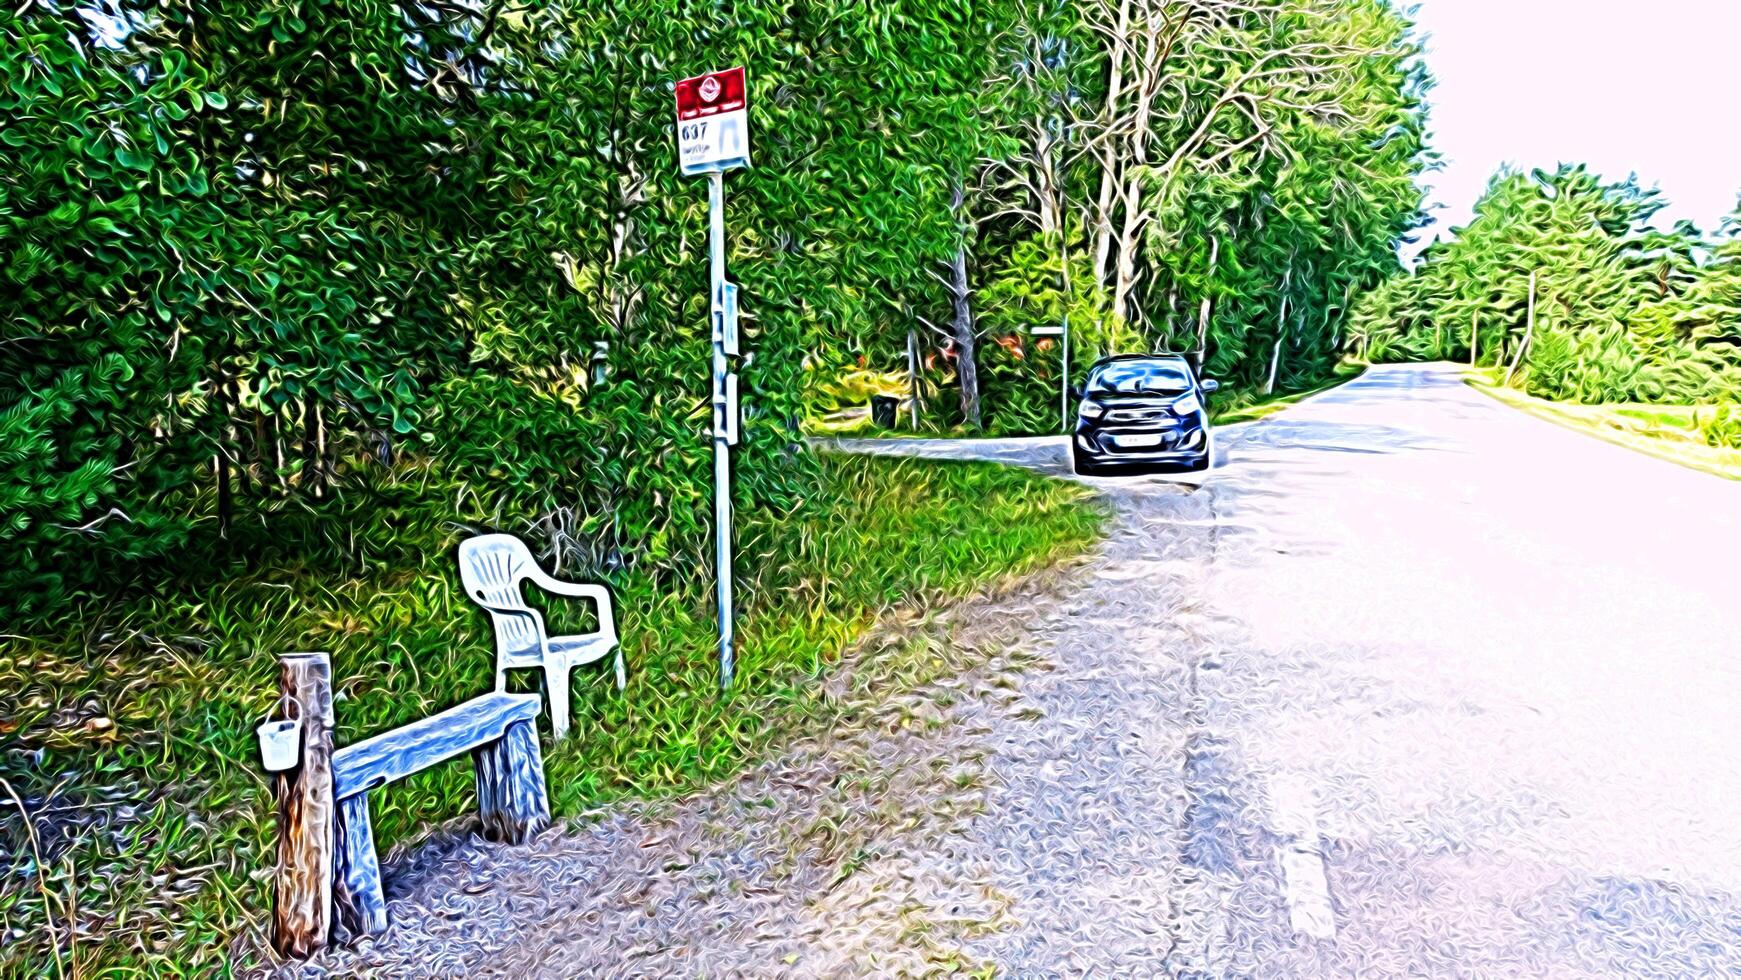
257	253
1568	287
294	293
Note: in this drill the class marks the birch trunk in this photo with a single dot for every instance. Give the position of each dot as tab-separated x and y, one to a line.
1109	172
1275	361
961	326
1129	239
1528	335
1046	179
966	352
310	464
1208	307
913	377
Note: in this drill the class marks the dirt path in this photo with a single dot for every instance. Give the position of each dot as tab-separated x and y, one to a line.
1008	794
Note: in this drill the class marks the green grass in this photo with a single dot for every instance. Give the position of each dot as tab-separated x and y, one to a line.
135	719
1671	432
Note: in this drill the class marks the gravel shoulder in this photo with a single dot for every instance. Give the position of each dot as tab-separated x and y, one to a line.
946	815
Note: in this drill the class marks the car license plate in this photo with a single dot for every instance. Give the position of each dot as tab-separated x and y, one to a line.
1142	440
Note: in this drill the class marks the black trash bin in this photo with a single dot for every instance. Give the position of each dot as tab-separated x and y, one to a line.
883	409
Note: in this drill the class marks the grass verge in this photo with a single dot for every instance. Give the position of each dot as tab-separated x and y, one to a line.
1671	432
1243	406
129	726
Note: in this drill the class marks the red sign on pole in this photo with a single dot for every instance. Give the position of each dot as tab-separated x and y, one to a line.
710	95
713	126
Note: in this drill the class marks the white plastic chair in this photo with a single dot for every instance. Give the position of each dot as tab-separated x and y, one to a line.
492	566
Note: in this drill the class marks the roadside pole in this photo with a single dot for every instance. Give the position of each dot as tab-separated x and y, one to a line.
1064	386
713	136
1062	332
913	377
724	412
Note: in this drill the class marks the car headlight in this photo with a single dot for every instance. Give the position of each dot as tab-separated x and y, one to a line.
1090	410
1188	405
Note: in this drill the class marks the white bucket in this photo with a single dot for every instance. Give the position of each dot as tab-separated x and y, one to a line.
281	744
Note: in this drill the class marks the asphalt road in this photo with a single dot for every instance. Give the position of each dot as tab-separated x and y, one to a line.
1440	689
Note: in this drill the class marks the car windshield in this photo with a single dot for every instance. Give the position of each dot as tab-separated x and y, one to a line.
1140	378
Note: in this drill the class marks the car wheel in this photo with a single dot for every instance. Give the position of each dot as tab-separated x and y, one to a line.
1082	465
1208	458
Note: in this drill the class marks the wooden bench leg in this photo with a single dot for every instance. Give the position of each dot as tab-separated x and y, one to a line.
510	777
359	905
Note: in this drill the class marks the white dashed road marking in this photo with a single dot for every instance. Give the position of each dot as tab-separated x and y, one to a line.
1306	882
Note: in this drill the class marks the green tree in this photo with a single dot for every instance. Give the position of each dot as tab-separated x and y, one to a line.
1615	303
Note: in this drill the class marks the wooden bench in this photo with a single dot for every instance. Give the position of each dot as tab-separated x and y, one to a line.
338	893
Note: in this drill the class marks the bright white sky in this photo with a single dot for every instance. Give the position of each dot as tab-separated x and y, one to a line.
1645	86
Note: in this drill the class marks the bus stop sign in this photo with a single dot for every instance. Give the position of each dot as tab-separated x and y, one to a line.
713	122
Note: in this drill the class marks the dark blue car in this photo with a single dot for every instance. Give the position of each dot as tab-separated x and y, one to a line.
1143	410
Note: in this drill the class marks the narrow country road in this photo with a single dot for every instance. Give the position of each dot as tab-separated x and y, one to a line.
1461	695
1411	684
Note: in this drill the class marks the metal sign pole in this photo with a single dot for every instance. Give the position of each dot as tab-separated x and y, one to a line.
722	424
1062	332
1064	385
713	136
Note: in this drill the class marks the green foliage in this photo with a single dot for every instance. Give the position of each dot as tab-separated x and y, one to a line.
1625	312
1280	236
1723	429
251	247
1265	180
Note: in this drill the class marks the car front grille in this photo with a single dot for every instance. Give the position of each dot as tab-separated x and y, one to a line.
1136	416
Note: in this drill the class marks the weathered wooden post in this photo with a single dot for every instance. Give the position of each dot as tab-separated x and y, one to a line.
510	778
302	891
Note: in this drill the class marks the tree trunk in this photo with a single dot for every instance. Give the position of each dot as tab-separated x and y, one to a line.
226	502
1050	217
1275	361
310	455
322	462
913	377
1528	335
226	449
279	478
1129	243
1130	239
261	450
1475	339
1208	306
236	435
221	469
966	346
1109	171
966	338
